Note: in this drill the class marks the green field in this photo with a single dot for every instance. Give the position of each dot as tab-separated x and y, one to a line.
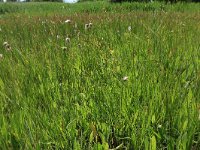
129	80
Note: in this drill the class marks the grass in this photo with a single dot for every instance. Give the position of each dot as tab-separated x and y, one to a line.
58	95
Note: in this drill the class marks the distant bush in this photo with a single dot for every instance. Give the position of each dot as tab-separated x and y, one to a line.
166	1
46	0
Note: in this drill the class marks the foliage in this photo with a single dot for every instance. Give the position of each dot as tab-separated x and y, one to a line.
129	80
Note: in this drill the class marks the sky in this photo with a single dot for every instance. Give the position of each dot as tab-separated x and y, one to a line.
70	1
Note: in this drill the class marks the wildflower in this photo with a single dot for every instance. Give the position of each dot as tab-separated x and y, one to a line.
90	25
129	28
58	36
68	21
87	26
5	43
7	46
125	78
1	56
67	40
159	126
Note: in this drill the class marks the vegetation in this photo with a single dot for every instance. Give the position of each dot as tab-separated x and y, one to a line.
115	1
99	76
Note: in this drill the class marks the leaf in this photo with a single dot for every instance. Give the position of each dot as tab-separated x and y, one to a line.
153	119
105	145
91	137
190	96
15	142
153	143
185	125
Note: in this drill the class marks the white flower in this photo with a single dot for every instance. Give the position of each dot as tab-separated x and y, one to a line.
87	26
7	46
67	21
5	43
159	126
129	28
125	78
58	36
67	40
90	25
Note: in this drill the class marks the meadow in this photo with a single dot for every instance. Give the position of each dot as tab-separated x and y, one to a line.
99	76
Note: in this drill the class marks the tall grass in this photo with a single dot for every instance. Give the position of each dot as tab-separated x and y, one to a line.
58	95
45	8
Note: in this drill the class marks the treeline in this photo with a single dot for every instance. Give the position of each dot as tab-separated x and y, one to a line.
31	0
166	1
112	1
